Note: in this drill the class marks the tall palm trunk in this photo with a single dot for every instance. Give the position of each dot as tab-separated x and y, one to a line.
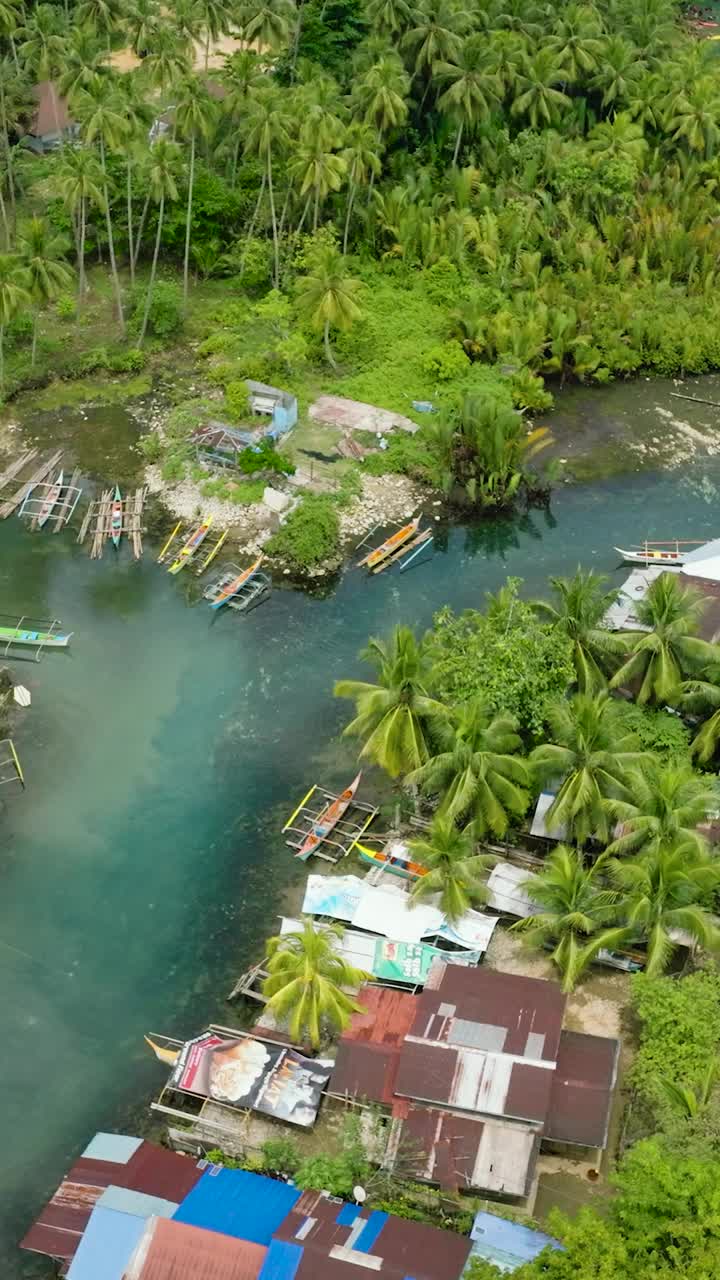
111	242
296	41
153	269
189	218
131	254
2	360
276	250
81	261
316	206
36	317
348	213
253	220
207	48
141	228
458	140
4	219
326	340
8	152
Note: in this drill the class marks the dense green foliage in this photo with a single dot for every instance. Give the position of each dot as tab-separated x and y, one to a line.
516	663
680	1029
310	536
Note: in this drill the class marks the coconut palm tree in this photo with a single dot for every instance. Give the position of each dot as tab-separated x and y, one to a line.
83	62
308	981
267	135
669	802
435	36
267	23
381	93
102	16
42	253
100	112
361	157
138	115
11	15
582	602
195	114
537	98
702	697
664	892
389	17
168	60
243	74
216	17
478	774
695	119
79	180
575	915
142	20
619	72
14	294
16	107
618	139
454	868
328	296
691	1099
394	716
473	90
164	163
318	171
575	39
590	754
661	658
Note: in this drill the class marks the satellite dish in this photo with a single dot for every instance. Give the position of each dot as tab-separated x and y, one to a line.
360	1194
22	695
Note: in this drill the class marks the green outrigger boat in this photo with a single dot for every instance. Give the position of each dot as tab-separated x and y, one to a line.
22	635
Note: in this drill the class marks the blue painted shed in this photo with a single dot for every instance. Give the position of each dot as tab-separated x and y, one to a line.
506	1244
106	1246
237	1203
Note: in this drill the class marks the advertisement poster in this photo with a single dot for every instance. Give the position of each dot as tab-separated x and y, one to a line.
247	1073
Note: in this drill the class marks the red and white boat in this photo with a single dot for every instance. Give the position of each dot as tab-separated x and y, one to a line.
328	819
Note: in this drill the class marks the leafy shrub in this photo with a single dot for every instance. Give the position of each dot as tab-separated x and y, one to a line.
151	446
236	399
281	1155
65	307
310	535
406	454
680	1029
264	457
166	315
445	362
173	467
658	731
131	361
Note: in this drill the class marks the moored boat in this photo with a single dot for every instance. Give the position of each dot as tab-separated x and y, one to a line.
190	547
231	589
116	515
50	501
329	818
390	544
22	635
670	553
395	858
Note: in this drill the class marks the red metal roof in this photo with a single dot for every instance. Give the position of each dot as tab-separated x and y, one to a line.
387	1018
582	1089
367	1059
151	1169
170	1250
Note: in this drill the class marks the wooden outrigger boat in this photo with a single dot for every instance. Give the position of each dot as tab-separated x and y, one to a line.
226	593
395	857
329	818
161	1053
393	543
191	546
20	635
116	516
50	502
670	553
404	549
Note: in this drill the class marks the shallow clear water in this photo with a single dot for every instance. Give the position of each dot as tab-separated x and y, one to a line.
143	865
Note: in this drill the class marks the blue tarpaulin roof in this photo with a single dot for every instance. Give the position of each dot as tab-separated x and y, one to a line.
506	1244
117	1147
281	1261
106	1245
371	1231
237	1203
347	1215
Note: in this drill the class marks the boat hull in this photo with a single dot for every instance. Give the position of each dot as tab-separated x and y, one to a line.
673	559
116	518
195	541
409	871
50	502
229	592
48	639
390	544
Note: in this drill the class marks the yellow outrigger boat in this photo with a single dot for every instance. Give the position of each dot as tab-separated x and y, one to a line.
390	544
191	546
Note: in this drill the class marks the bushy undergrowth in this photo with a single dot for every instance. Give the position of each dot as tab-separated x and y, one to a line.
310	536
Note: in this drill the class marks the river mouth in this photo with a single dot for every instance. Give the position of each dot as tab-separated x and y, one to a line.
144	865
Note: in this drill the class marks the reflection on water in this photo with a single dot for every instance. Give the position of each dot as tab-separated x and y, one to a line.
144	865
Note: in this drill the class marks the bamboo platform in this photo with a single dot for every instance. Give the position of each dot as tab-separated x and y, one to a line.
16	467
99	517
249	983
39	475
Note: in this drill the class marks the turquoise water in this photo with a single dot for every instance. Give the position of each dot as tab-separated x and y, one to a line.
143	866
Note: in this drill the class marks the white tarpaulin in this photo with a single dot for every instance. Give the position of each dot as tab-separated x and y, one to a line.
508	888
387	911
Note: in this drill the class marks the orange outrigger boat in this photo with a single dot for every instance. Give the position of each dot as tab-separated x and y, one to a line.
329	818
390	544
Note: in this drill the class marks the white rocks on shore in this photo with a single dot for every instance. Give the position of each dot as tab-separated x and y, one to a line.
384	498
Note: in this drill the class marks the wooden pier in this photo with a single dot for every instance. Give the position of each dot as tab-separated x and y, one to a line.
38	477
249	984
345	834
16	467
98	517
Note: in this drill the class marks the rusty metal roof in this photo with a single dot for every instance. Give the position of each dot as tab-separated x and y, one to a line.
463	1152
582	1091
170	1250
368	1054
151	1169
485	1009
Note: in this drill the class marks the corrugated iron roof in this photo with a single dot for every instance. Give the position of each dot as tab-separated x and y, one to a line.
386	1018
463	1152
238	1203
508	890
136	1203
106	1245
583	1085
507	1245
170	1250
368	1055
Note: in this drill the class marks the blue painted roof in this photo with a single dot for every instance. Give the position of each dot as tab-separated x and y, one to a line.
137	1203
106	1245
507	1244
371	1231
117	1147
347	1215
281	1261
237	1203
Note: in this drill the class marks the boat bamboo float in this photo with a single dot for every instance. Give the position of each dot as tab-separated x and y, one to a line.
211	554
403	550
390	545
166	545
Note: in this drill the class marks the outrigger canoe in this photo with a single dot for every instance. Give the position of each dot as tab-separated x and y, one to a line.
395	857
188	551
50	501
390	544
116	518
51	639
649	554
233	587
328	819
